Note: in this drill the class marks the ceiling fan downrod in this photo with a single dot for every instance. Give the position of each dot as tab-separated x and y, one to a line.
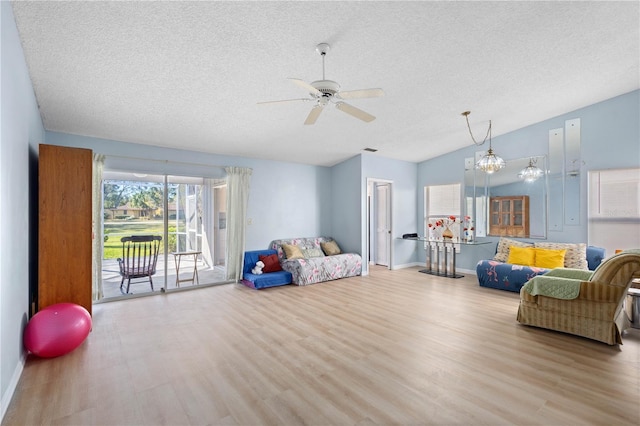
322	49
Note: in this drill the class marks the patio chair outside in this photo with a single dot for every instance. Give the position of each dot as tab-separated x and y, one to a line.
139	258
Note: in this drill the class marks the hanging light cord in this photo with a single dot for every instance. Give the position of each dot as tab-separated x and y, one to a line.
487	136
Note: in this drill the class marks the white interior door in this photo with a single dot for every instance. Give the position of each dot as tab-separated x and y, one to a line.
382	217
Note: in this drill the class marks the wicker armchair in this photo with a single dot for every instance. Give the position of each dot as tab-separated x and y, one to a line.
595	310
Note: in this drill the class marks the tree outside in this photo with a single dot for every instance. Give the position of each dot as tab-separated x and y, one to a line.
135	208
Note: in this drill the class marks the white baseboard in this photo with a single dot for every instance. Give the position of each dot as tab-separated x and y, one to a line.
458	270
13	384
407	265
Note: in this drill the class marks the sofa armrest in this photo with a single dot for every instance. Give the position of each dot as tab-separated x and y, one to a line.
601	292
570	289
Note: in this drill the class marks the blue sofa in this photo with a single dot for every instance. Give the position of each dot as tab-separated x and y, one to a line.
506	276
265	280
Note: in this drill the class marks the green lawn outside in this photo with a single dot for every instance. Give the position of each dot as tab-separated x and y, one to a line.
116	230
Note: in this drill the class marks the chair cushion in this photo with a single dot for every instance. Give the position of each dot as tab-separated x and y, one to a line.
272	279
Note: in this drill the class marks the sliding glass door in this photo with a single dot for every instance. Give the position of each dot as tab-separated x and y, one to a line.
189	213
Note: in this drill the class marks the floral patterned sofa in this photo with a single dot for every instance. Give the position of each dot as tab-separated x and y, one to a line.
312	264
497	273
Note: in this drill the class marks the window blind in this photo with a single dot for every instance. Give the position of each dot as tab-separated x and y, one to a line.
614	209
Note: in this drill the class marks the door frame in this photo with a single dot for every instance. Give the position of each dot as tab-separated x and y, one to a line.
370	220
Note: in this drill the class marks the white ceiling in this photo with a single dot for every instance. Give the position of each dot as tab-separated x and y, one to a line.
189	75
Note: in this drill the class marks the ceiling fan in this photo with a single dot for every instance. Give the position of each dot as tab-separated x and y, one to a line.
324	92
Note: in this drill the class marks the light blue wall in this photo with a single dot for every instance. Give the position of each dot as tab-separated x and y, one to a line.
21	131
403	204
610	138
286	199
346	200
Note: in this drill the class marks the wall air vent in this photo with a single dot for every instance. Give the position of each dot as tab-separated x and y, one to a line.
371	149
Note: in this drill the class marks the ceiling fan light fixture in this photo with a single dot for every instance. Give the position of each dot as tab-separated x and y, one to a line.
531	173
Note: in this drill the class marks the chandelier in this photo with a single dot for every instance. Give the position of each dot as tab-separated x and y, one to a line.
490	162
531	173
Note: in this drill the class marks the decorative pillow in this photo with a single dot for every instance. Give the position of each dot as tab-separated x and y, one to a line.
292	252
271	263
549	258
330	248
525	256
314	252
575	257
502	254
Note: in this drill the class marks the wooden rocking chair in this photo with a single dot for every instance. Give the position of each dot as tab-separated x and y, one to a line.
139	258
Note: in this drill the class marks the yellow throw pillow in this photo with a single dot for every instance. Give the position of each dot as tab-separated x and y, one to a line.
292	252
330	248
549	258
575	257
525	256
502	252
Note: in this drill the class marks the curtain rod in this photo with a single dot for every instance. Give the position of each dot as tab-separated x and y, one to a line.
164	161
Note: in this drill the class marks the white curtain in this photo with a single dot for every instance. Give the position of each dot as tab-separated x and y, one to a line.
238	180
96	253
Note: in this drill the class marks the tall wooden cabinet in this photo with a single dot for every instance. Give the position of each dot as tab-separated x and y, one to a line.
64	226
509	216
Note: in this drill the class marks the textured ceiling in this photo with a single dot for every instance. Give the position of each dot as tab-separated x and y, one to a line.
189	74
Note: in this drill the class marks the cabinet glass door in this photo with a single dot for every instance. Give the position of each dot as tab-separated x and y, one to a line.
506	212
517	212
495	213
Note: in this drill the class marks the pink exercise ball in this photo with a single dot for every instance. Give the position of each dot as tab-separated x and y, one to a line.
57	329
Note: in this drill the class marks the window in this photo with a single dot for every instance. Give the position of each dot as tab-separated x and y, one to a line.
614	209
442	201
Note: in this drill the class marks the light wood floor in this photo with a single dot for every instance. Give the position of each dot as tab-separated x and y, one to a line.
396	347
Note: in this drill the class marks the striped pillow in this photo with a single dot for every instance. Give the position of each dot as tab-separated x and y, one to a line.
575	257
502	254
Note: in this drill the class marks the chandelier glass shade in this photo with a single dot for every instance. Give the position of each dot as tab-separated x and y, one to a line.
531	173
490	162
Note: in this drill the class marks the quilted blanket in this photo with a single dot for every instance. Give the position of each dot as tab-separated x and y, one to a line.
555	287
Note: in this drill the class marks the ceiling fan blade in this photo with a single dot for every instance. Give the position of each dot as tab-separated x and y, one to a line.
314	114
306	86
284	100
362	93
357	113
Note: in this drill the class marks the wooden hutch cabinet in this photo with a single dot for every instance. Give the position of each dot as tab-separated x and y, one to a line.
509	216
64	226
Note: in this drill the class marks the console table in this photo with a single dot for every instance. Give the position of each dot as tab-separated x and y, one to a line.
446	268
